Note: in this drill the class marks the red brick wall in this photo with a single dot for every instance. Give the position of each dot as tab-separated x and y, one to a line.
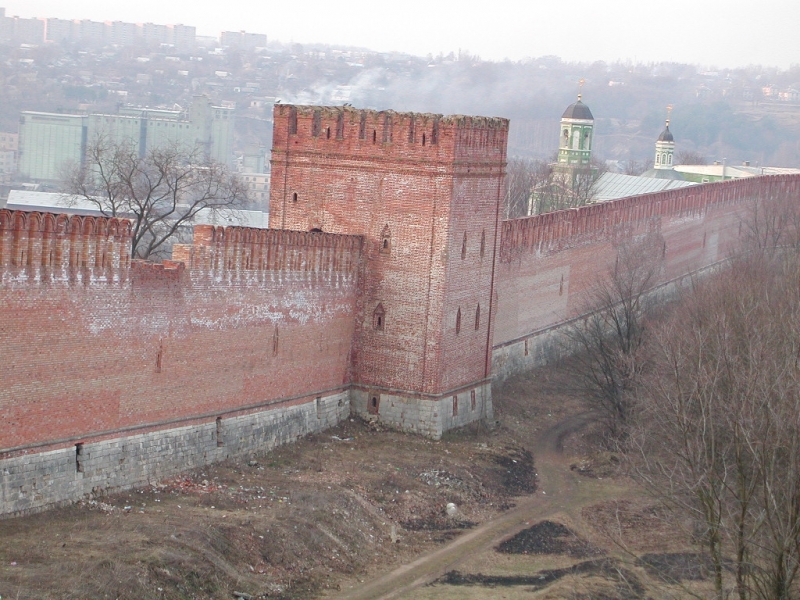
96	347
548	262
376	174
99	351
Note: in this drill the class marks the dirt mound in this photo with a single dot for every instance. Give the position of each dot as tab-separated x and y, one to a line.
548	537
520	475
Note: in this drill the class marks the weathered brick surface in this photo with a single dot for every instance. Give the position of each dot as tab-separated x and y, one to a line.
250	338
424	191
259	321
548	263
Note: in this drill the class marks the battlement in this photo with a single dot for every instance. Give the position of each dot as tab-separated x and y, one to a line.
361	132
237	249
45	245
542	232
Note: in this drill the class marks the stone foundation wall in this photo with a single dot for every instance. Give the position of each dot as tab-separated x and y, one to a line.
32	482
428	416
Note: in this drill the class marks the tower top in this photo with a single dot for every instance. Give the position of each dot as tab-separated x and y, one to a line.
578	110
666	135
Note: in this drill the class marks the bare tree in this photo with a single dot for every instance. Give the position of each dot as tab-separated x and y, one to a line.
688	157
560	188
772	225
609	341
718	426
635	167
520	181
161	192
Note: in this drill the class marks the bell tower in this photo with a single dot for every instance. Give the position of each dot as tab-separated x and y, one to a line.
577	133
665	147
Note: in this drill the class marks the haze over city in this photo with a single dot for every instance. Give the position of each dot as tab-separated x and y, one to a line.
440	300
706	33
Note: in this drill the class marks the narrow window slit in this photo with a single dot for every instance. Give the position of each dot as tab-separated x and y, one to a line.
379	318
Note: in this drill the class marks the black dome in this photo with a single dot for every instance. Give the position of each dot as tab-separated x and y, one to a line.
578	111
666	136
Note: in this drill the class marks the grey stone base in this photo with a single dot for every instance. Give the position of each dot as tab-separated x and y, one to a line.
41	480
425	415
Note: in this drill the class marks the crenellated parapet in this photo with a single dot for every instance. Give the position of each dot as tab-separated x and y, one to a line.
548	230
362	134
239	249
46	245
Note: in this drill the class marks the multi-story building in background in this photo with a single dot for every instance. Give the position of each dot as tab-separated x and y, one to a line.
28	31
242	40
91	33
257	188
121	33
49	143
95	33
9	143
52	143
183	36
60	31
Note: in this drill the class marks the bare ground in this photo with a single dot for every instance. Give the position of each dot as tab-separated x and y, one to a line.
359	510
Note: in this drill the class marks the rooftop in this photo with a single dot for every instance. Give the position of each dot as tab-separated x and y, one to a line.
610	186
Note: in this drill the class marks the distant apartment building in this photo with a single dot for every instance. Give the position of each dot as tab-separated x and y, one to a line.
257	188
94	33
9	141
91	33
183	36
60	31
51	143
28	31
253	159
155	35
6	26
242	40
8	156
19	30
121	33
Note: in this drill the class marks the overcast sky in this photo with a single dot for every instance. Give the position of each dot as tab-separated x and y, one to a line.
704	32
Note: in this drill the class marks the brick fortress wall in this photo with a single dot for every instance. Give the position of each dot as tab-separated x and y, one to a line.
548	263
424	191
115	374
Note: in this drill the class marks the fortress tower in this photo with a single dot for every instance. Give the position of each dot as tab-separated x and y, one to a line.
425	192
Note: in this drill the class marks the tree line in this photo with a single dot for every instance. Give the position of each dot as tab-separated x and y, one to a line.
703	397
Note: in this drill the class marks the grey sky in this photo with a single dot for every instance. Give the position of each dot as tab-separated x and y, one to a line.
705	32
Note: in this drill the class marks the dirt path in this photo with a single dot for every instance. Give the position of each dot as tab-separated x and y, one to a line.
559	491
